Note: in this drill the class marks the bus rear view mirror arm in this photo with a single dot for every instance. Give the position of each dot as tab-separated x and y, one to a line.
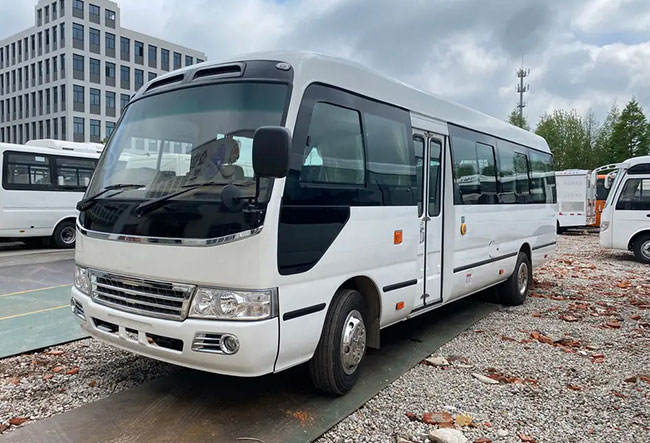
271	147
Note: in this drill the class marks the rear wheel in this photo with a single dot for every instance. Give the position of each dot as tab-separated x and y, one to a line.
515	290
334	368
65	235
642	249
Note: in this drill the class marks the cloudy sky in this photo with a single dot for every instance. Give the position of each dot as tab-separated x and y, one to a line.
582	53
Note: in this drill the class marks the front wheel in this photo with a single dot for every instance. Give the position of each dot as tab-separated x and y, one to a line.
334	368
514	291
642	249
65	235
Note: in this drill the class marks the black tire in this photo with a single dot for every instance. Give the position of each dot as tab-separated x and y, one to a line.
560	230
326	367
511	292
642	248
65	235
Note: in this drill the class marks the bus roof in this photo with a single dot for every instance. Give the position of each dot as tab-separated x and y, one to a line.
64	145
48	150
635	161
310	67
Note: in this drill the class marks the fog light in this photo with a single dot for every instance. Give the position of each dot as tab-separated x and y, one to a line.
229	344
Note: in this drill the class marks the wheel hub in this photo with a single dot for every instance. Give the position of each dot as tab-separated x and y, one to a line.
645	249
353	342
68	235
522	279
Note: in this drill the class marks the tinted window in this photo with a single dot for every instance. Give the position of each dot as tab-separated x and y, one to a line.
74	172
513	173
435	149
390	159
487	174
334	150
26	169
542	178
466	172
635	195
418	145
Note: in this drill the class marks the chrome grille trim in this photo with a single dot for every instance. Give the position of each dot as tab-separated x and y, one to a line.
152	298
170	241
207	342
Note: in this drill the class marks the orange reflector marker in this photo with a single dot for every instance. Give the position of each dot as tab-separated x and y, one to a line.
399	305
397	237
21	231
463	229
501	271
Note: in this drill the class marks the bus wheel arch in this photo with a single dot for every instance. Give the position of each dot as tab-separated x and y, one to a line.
65	231
370	292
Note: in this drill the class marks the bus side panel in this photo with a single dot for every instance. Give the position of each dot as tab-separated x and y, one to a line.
486	254
380	259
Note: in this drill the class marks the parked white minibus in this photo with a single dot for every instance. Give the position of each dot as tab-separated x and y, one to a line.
41	184
625	220
576	199
323	202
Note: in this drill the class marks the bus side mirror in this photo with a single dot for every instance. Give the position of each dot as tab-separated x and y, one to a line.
271	147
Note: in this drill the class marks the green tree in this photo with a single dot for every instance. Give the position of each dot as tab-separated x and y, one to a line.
567	137
603	148
631	134
518	120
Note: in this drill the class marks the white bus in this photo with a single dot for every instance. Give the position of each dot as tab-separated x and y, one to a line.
367	202
41	184
625	220
576	199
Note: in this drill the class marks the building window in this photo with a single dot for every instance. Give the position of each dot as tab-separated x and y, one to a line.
78	32
78	94
78	126
94	66
78	4
94	36
177	60
95	98
78	63
110	41
110	70
189	60
198	60
139	78
110	127
124	100
95	128
93	11
109	15
138	49
125	74
110	100
153	56
164	59
152	75
125	45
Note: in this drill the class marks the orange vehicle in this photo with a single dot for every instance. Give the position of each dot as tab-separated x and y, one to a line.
601	196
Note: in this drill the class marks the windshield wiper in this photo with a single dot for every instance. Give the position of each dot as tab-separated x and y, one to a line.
156	203
89	201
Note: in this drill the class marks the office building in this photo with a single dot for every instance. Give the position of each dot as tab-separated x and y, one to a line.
69	76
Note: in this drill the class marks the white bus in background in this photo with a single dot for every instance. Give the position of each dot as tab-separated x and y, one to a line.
625	220
42	182
576	198
368	202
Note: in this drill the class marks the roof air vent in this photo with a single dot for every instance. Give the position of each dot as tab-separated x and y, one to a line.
165	82
221	71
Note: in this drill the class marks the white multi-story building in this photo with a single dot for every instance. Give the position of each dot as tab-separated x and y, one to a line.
69	76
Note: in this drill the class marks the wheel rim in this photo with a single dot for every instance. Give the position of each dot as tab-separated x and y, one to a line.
523	278
353	342
645	249
68	235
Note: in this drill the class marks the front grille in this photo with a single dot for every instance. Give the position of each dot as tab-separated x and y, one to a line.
146	297
77	308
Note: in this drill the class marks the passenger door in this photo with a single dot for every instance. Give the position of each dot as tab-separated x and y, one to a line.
428	151
632	210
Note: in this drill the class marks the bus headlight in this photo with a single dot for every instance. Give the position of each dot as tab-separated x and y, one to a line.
603	226
231	304
82	279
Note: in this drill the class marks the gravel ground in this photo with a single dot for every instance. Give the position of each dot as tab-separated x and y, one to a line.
571	365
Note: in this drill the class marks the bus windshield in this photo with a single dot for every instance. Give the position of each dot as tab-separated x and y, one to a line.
174	140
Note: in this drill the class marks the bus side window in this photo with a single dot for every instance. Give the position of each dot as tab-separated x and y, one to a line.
466	174
635	195
335	139
434	177
487	174
418	144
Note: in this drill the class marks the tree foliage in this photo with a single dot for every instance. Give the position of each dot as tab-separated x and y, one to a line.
580	142
518	120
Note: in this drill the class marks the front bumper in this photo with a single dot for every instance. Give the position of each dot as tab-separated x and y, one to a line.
256	355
